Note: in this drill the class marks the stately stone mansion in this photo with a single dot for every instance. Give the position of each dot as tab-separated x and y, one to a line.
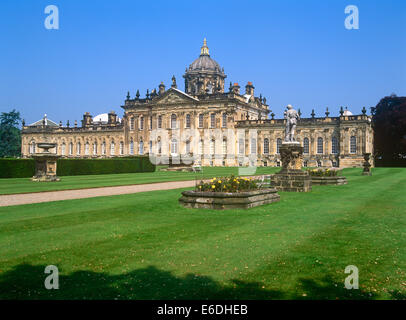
204	124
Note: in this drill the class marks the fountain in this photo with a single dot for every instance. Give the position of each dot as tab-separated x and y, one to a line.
45	163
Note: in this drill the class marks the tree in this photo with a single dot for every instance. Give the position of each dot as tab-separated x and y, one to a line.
389	121
10	136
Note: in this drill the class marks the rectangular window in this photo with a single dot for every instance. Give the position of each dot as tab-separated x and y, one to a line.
201	121
241	146
159	122
212	120
253	146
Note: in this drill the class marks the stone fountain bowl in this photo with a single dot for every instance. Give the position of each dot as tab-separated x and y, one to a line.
46	145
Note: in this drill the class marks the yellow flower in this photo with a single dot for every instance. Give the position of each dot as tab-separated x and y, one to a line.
214	178
219	181
213	186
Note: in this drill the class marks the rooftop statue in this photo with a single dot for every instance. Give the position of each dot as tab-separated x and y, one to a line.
291	117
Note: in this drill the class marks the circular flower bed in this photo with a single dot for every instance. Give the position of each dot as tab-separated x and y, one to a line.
327	176
228	193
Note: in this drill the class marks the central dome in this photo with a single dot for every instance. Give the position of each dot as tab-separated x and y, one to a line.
204	75
204	62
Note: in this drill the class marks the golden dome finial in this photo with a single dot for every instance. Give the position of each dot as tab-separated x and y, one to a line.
205	49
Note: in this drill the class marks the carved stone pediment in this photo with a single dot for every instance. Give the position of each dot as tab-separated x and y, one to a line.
173	96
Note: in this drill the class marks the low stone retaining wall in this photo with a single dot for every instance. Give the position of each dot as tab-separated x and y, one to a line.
226	200
328	180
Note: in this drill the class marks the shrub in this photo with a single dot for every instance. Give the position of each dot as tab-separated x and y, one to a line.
228	184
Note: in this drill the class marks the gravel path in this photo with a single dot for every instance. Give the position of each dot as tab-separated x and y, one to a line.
37	197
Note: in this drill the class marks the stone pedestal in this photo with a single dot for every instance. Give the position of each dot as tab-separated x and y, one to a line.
367	166
45	164
291	177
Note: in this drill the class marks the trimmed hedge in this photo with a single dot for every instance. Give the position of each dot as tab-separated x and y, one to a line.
23	168
17	168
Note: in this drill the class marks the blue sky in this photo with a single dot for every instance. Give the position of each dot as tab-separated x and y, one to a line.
294	52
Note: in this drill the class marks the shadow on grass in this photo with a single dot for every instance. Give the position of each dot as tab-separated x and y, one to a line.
26	282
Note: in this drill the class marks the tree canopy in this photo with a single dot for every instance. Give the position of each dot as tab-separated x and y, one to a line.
389	120
10	135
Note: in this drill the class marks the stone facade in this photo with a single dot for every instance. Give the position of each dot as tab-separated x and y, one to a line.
205	125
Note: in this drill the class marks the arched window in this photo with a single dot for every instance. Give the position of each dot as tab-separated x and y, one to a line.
78	147
94	148
150	123
212	120
188	121
159	146
224	120
63	148
241	146
187	146
112	148
201	118
132	124
104	147
174	146
278	144
32	147
70	148
131	146
173	121
159	122
253	146
141	147
201	147
353	144
212	146
224	147
334	145
320	145
121	148
141	123
87	146
306	145
266	146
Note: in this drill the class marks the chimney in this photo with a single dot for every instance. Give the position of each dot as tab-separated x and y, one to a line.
236	88
249	88
161	88
87	119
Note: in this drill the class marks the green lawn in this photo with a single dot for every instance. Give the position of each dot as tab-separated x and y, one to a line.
25	185
146	246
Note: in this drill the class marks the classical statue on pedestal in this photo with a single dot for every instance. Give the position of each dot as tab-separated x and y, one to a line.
291	117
